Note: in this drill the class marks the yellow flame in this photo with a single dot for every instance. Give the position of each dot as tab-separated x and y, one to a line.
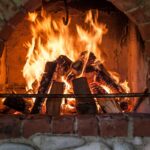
115	76
125	86
51	38
107	89
32	16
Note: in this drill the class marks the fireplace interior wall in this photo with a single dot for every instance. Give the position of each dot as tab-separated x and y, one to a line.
122	47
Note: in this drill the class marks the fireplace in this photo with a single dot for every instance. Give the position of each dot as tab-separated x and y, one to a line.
93	55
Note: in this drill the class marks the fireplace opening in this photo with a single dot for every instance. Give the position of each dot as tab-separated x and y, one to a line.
99	50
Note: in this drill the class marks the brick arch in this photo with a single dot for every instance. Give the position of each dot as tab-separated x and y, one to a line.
13	11
137	11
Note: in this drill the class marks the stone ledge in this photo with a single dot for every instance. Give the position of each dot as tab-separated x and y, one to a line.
70	142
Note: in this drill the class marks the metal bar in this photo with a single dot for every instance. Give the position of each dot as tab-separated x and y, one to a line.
120	95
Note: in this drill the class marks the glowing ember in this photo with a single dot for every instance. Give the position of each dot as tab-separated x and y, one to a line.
51	39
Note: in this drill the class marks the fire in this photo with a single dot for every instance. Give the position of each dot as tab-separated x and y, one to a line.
32	16
125	86
51	38
107	89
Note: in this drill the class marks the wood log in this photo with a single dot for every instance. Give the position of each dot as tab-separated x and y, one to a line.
77	66
64	61
44	85
91	58
107	105
84	105
53	104
105	78
18	104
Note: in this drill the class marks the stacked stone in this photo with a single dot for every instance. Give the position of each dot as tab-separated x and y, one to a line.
60	142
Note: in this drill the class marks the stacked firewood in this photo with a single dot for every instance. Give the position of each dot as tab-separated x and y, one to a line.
85	76
84	79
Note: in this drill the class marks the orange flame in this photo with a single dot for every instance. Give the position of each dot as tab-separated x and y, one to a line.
51	38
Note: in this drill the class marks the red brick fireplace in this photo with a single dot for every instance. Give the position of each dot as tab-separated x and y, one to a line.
112	130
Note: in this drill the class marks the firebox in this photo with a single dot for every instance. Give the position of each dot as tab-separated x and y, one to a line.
74	48
83	64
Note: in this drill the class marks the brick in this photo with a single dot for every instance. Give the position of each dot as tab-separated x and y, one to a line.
33	124
32	5
147	48
124	5
6	32
113	126
1	47
87	125
9	127
17	18
63	125
139	15
141	126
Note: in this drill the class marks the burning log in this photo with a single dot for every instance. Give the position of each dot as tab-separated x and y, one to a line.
53	104
104	78
64	62
91	58
77	66
44	85
84	106
18	104
107	105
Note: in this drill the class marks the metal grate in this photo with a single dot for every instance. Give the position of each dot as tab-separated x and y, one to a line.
120	95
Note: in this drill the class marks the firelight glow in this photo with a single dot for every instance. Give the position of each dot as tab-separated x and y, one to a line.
51	38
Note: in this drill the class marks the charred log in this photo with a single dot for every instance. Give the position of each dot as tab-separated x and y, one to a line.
53	104
105	78
91	56
107	105
78	65
18	104
44	85
84	105
124	106
89	69
64	62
